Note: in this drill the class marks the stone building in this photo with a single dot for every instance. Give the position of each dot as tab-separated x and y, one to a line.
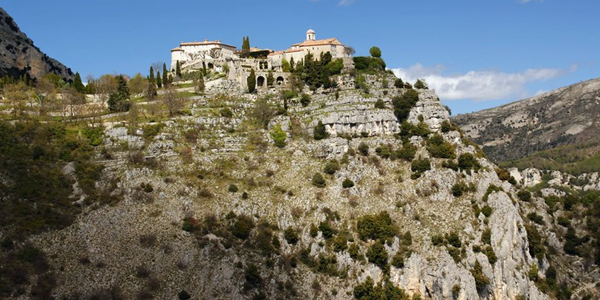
215	55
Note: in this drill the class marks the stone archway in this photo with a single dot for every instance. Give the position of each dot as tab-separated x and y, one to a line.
279	80
260	81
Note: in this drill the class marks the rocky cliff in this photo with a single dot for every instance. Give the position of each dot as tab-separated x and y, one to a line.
19	56
567	116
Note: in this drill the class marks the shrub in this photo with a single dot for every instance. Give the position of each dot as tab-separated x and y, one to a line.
446	126
320	132
536	218
398	83
486	211
363	149
376	227
291	236
232	188
437	240
305	99
318	180
420	84
242	227
226	113
486	236
467	161
403	104
252	275
353	251
331	167
183	295
524	195
480	280
454	239
326	230
419	166
347	183
440	148
398	260
279	136
379	104
377	255
502	174
458	189
407	152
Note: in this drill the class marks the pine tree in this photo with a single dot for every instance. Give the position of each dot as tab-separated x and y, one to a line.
78	84
178	69
158	80
151	76
165	78
251	81
199	83
119	100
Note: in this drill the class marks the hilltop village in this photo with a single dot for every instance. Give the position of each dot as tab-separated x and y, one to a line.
237	63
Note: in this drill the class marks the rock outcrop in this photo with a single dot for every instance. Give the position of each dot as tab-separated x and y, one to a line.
19	56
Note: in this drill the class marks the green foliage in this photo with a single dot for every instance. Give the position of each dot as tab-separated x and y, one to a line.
251	81
458	189
353	251
270	78
242	227
491	255
408	129
377	255
363	149
305	99
159	82
536	242
454	239
524	195
404	103
279	136
326	229
119	100
226	112
375	51
440	148
252	276
183	295
420	84
320	132
376	227
467	161
379	104
232	188
335	66
347	183
486	236
486	211
78	84
152	130
419	166
369	291
316	73
318	180
291	236
398	83
285	66
331	167
407	152
371	65
437	240
94	135
536	218
481	281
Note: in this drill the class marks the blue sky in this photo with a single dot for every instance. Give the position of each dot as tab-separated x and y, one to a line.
476	54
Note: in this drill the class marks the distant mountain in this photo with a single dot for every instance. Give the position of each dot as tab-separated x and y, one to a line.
19	56
555	130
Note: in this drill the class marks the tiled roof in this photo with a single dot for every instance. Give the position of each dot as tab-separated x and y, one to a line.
331	41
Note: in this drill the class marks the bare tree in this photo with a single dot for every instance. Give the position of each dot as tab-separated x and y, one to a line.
172	100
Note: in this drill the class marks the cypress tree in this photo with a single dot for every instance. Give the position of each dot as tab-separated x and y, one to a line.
251	81
165	75
119	101
151	76
158	80
77	84
178	69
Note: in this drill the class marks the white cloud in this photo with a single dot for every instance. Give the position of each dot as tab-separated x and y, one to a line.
345	2
478	85
527	1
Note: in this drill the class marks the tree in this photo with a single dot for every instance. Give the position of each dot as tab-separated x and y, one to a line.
151	76
77	84
158	80
420	84
119	101
251	81
178	69
279	136
398	83
137	84
198	83
171	100
270	78
165	75
245	47
377	254
320	132
375	51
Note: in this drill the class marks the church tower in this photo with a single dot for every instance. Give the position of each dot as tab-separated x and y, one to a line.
310	35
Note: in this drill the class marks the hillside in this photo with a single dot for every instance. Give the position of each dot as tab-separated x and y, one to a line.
19	56
555	130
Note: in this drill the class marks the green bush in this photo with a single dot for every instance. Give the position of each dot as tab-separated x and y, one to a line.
242	227
318	180
536	218
376	227
440	148
331	167
363	149
481	281
291	236
524	195
347	183
326	229
486	236
458	188
486	211
320	131
419	166
353	251
226	113
404	103
379	104
375	51
252	276
437	240
420	84
279	136
407	152
467	161
398	83
398	260
454	239
305	99
368	291
232	188
377	255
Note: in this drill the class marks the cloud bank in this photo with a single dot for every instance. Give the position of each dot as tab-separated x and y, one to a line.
478	85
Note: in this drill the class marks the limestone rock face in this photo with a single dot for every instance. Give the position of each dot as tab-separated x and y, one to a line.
430	107
19	56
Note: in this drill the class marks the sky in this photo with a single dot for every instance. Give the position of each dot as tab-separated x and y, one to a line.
475	54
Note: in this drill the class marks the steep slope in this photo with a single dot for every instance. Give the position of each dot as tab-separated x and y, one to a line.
211	208
566	119
19	56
